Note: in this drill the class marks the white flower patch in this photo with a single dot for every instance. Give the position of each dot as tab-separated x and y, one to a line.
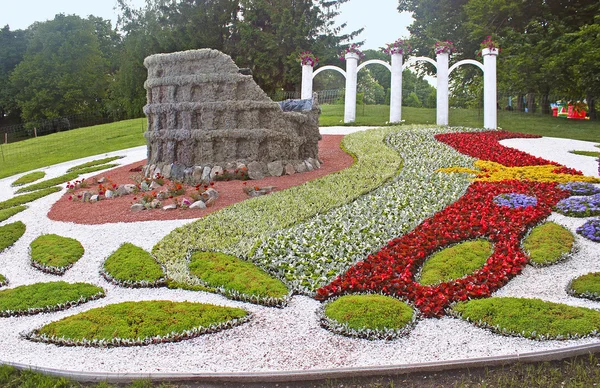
311	254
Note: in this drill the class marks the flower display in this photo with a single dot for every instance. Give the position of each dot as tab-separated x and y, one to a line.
308	58
580	188
490	44
400	46
445	47
580	206
353	48
515	200
590	230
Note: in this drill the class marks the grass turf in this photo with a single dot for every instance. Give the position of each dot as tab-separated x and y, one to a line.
10	233
93	163
42	295
56	251
22	199
530	318
133	320
455	262
586	153
130	263
548	243
587	286
5	214
29	178
221	270
371	311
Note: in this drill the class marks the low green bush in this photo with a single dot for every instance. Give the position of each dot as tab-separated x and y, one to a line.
28	178
3	280
68	177
10	233
455	262
93	163
46	297
529	318
370	316
219	270
548	243
5	214
139	323
131	266
55	254
586	286
22	199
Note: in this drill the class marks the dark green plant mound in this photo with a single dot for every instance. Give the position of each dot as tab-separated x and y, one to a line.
46	297
21	199
55	254
139	323
370	316
94	163
548	244
237	278
7	213
131	266
530	318
586	286
455	262
28	178
3	280
10	233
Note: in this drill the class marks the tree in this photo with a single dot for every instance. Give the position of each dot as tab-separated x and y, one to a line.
63	71
12	49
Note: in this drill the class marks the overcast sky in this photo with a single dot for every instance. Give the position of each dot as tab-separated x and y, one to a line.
382	22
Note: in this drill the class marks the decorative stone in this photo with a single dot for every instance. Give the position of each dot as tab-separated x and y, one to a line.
102	180
206	174
197	174
170	207
257	170
309	166
154	185
289	169
275	168
210	201
109	194
211	193
125	189
136	207
166	171
314	162
155	203
157	171
198	205
300	167
144	186
94	198
216	170
86	196
177	172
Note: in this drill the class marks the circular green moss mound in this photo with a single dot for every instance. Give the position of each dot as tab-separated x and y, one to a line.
5	214
131	266
28	178
530	318
369	316
548	244
586	286
139	323
455	262
46	297
10	233
55	254
237	278
3	280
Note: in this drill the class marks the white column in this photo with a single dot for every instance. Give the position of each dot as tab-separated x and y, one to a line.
351	83
396	89
490	112
307	82
442	89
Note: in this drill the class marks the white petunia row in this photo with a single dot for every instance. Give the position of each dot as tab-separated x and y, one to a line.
311	254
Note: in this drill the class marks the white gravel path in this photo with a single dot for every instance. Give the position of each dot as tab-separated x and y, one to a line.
275	339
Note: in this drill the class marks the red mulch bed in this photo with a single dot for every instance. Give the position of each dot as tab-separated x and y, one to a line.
117	209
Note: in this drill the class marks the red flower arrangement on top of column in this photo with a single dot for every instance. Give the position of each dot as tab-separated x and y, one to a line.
475	215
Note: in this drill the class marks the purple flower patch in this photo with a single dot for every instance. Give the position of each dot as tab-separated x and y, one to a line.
590	230
579	206
579	188
515	200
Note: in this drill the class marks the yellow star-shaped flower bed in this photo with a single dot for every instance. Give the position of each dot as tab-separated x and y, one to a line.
493	172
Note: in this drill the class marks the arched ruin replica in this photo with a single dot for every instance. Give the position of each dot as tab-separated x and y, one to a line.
204	115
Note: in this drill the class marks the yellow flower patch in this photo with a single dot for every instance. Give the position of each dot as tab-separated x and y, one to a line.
494	172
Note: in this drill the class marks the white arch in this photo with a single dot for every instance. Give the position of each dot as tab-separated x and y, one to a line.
465	62
329	67
412	60
374	61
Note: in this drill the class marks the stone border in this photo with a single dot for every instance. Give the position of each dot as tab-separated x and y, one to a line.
318	374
